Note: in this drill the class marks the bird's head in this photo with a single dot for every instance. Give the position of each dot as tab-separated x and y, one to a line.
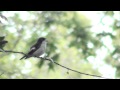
41	39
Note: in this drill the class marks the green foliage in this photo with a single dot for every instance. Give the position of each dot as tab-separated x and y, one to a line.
113	56
3	17
68	43
2	38
109	13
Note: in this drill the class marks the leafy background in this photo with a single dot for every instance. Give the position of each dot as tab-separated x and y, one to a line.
72	43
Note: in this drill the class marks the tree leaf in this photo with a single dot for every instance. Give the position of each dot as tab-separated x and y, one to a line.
2	38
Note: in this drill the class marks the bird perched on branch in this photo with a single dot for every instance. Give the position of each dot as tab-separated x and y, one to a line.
37	49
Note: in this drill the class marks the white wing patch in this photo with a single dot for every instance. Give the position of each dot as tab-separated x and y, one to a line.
33	48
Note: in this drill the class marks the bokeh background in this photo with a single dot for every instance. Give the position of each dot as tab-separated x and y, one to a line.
86	41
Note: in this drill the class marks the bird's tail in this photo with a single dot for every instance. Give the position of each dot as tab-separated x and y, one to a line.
22	57
25	57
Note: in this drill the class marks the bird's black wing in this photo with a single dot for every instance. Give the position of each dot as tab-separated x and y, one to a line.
32	50
29	54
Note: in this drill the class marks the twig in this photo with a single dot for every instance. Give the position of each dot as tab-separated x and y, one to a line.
10	51
74	70
49	59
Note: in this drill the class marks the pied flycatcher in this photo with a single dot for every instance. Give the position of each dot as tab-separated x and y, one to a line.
37	49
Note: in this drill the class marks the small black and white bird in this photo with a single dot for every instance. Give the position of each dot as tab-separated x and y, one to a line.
37	49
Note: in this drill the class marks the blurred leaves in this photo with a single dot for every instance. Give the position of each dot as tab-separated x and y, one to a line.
70	42
109	13
113	56
105	34
2	38
40	63
3	17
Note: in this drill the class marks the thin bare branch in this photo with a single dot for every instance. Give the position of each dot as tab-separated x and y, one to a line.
49	59
10	51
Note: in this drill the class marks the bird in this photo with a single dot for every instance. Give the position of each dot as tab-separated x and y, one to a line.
37	49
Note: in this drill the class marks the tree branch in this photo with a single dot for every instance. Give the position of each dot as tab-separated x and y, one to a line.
10	51
49	59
